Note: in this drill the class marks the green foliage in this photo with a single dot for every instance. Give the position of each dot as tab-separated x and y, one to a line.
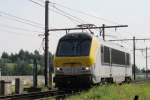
21	63
5	55
137	70
115	92
22	68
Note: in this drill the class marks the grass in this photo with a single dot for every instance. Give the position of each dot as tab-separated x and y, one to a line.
115	92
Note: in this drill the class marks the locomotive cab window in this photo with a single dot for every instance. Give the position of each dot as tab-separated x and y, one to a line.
84	47
74	47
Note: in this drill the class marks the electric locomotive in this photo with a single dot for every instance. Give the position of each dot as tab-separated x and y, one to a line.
83	59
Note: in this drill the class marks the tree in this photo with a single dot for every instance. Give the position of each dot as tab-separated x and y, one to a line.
143	70
21	54
5	55
23	68
137	70
21	63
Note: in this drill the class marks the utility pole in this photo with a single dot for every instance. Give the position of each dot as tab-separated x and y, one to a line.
146	63
35	74
146	57
46	56
103	29
134	76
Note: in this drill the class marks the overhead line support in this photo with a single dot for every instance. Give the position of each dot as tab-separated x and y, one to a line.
134	76
146	64
68	29
146	58
142	39
46	56
94	27
103	30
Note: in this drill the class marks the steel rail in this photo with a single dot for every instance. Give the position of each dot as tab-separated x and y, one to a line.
37	95
34	95
141	80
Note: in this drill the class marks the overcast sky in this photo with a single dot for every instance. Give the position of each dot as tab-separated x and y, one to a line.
15	35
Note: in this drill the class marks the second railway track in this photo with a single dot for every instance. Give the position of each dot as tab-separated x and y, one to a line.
140	81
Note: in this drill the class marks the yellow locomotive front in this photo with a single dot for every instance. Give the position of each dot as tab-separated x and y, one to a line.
74	59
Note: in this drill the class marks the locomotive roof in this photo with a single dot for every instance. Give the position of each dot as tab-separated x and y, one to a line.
81	35
114	45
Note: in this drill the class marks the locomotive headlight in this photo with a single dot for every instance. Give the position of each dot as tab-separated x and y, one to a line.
85	68
58	68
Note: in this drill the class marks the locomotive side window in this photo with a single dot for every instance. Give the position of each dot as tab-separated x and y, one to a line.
106	55
102	54
117	57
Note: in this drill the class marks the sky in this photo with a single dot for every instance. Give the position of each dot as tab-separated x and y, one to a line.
16	35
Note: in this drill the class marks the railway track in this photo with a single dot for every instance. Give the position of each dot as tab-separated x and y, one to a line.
54	93
30	96
39	95
140	81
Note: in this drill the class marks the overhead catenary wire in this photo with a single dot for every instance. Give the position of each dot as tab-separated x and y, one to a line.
18	28
142	39
68	17
16	33
37	3
21	21
66	13
84	13
82	21
19	18
42	1
60	12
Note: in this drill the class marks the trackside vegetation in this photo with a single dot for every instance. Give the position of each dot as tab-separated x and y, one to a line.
115	92
21	63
